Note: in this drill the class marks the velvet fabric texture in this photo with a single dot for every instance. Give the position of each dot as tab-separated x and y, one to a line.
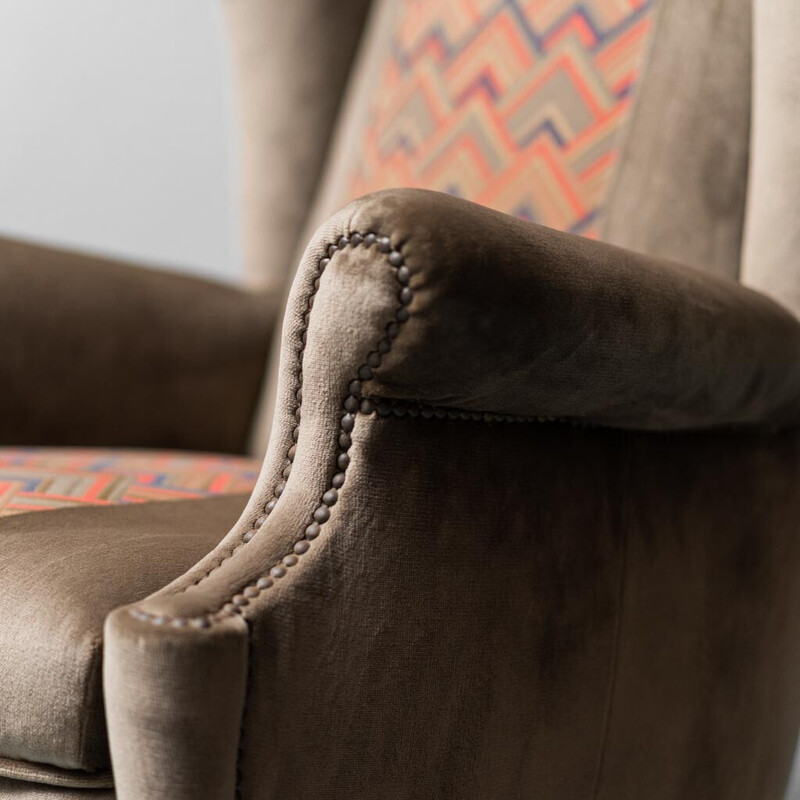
291	65
97	352
19	790
61	572
681	185
492	605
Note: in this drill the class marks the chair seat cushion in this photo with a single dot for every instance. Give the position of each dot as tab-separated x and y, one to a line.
103	544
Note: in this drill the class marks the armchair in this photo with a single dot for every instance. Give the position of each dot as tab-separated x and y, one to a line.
527	520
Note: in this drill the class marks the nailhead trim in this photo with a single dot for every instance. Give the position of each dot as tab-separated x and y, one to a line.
384	407
353	404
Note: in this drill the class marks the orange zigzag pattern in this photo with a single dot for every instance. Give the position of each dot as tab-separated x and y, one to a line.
40	479
516	105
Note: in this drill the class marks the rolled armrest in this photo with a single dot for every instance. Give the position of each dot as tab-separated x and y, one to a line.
97	352
511	317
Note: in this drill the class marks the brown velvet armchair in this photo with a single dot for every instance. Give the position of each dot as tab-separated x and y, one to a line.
527	523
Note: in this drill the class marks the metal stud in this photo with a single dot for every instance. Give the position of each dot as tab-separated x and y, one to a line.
322	514
384	245
364	372
351	403
290	560
395	259
403	275
330	497
277	571
370	239
348	423
312	531
338	480
343	461
301	547
264	583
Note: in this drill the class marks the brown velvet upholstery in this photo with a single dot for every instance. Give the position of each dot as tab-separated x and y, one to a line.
496	606
561	556
291	63
681	185
61	572
20	790
97	352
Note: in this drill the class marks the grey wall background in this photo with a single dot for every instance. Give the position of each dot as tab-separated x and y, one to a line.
116	130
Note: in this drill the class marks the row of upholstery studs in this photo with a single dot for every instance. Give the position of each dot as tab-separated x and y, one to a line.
353	403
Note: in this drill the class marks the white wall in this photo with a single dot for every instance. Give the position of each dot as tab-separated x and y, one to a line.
116	130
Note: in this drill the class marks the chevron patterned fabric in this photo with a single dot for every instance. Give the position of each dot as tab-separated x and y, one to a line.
40	479
515	104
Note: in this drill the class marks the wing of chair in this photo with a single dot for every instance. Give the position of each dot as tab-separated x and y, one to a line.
527	521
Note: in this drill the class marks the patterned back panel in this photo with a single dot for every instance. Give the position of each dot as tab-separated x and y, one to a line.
41	479
515	104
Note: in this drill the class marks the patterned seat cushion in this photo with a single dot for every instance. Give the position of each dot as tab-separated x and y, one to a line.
519	105
40	479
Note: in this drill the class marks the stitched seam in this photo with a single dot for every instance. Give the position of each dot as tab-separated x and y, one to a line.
88	690
612	682
243	723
